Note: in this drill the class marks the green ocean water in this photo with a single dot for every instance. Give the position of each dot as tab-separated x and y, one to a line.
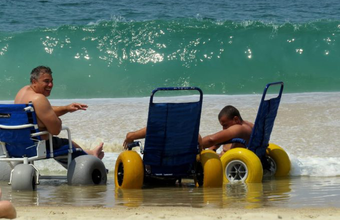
117	58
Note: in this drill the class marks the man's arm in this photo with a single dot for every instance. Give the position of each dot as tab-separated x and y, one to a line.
46	115
222	136
131	136
62	110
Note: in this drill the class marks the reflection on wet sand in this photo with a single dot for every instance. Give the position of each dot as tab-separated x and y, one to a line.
241	195
257	195
59	193
286	192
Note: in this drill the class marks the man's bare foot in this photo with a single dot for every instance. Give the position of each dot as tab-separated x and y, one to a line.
97	151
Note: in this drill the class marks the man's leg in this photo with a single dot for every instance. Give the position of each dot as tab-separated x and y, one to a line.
97	151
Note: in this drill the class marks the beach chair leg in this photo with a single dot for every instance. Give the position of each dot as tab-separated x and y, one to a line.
24	177
86	170
129	171
198	178
241	165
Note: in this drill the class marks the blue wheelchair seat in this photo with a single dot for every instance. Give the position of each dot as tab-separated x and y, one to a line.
20	137
21	145
171	142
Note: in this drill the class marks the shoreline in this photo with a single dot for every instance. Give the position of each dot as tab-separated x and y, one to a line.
172	213
146	98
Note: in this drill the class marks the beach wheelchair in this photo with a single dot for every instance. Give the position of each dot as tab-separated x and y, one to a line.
21	145
171	151
249	164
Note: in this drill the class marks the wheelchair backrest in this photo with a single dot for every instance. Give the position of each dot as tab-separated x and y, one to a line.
17	123
172	131
264	122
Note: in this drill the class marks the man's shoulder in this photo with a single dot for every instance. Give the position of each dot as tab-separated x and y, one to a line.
238	129
39	101
235	129
249	124
26	95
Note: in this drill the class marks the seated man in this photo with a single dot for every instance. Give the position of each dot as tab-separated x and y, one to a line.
233	127
47	115
7	210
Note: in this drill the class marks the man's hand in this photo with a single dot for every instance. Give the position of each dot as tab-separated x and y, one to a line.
134	135
75	107
128	140
62	110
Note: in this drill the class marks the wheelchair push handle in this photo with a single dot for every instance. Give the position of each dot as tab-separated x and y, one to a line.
281	84
236	140
176	89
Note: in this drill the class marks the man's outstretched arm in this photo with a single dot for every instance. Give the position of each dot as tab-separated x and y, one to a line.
62	110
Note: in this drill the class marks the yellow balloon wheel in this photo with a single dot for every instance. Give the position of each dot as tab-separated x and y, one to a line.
241	164
129	171
281	159
212	169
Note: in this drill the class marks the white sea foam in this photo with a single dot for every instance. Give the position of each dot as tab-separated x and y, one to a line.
315	166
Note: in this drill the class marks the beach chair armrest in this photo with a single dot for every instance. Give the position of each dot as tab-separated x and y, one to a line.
39	133
16	126
235	140
50	138
63	127
135	144
46	132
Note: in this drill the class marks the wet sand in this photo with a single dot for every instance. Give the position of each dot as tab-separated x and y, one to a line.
291	193
89	213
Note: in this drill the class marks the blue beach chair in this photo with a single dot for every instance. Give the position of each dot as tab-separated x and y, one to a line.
171	150
21	145
247	164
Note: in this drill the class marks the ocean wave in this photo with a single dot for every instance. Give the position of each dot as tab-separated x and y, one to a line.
119	58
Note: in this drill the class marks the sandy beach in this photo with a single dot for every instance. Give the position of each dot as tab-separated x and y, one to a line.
89	213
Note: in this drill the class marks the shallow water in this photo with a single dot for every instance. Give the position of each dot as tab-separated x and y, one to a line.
294	192
307	127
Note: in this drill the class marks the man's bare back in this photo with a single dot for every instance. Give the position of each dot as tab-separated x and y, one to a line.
233	127
247	128
39	101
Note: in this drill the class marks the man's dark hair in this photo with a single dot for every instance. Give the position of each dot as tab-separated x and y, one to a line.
35	74
230	112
